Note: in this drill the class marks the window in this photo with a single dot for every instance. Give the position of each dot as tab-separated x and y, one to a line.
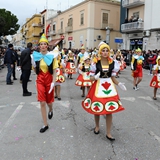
54	27
82	19
61	24
105	18
136	14
70	22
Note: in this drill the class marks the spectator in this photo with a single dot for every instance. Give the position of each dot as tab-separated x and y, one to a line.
25	63
9	61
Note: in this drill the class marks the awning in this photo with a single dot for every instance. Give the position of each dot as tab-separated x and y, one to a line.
54	42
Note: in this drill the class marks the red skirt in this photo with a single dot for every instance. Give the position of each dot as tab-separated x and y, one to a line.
43	83
60	77
155	82
83	80
70	68
102	98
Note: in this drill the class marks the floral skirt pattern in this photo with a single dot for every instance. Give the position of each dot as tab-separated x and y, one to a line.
60	77
70	68
102	98
84	80
155	82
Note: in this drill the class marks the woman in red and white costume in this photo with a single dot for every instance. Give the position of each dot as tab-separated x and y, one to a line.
45	64
70	64
102	98
83	79
60	78
155	82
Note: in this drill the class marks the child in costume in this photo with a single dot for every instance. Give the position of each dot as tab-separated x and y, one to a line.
83	79
155	82
136	67
45	64
60	78
102	98
70	64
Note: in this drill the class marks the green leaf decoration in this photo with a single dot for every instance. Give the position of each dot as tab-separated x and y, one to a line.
97	104
107	92
111	104
88	101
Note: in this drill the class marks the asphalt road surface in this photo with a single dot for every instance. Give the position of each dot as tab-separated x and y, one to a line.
70	135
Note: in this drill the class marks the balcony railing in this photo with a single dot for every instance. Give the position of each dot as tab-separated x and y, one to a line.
107	25
52	33
132	3
35	34
69	29
132	27
35	25
60	31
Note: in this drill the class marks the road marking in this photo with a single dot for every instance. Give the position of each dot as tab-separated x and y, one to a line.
151	105
65	104
10	120
155	136
132	99
146	98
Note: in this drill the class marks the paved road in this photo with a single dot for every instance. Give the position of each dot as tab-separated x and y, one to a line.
71	137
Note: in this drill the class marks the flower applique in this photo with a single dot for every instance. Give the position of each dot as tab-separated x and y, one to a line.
106	85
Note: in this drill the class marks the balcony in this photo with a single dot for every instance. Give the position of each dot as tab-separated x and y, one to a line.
60	31
26	29
132	27
52	33
35	25
106	25
132	3
69	29
35	34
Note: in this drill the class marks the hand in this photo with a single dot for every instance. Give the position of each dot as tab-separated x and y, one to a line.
65	75
96	77
51	87
132	68
122	86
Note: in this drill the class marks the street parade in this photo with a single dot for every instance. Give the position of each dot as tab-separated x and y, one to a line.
80	83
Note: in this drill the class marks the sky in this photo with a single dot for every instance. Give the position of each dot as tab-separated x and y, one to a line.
27	8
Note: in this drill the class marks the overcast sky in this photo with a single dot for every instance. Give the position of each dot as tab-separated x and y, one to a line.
27	8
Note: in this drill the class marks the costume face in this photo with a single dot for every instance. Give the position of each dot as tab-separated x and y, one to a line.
87	61
82	50
105	52
139	53
43	46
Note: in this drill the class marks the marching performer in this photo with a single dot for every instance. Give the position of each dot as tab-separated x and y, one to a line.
136	67
83	79
60	78
156	78
102	98
45	64
70	64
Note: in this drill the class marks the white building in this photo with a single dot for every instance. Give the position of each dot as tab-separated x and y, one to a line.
144	30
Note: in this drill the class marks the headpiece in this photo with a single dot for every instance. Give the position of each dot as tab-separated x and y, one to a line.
43	39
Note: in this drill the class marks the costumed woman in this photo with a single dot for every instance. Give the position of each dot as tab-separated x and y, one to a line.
102	98
136	67
60	78
156	78
70	64
45	64
83	79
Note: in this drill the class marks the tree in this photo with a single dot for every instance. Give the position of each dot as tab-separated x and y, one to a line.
8	23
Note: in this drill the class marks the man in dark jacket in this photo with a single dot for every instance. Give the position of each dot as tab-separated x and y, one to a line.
9	61
25	63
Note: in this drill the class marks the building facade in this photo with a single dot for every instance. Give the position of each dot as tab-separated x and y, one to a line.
31	30
87	23
141	27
